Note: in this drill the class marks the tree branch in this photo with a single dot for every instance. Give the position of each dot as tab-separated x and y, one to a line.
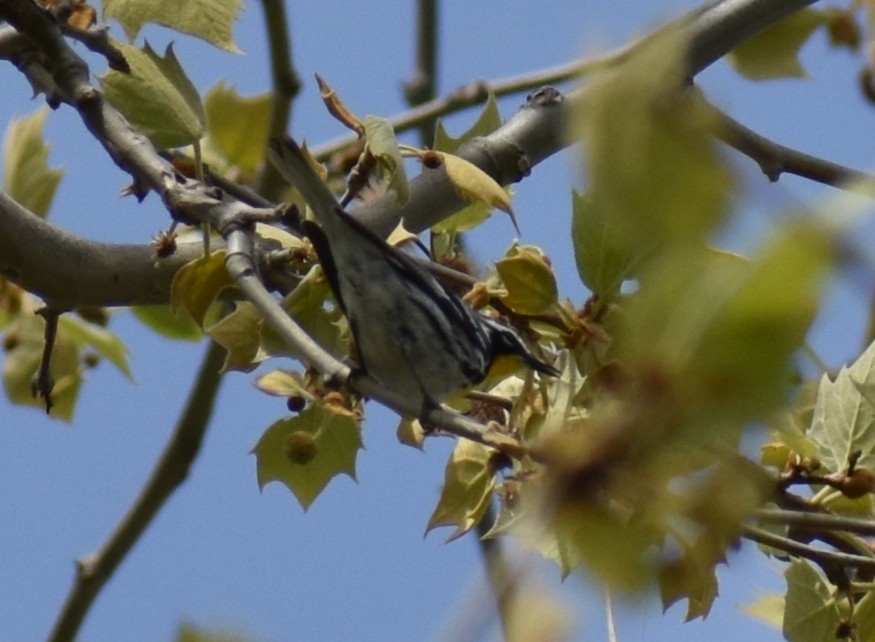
170	471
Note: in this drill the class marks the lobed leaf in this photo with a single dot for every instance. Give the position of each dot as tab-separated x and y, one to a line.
209	20
156	97
529	280
469	480
197	283
237	126
844	415
774	52
336	439
28	178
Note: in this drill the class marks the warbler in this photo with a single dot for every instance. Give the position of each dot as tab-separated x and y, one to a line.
413	335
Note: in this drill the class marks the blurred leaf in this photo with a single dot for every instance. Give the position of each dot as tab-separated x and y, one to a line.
210	20
23	360
167	323
655	177
693	577
721	330
237	126
380	138
529	280
156	97
768	608
197	283
469	480
102	341
603	256
844	415
282	383
28	178
812	613
774	52
188	632
487	122
240	334
336	439
411	433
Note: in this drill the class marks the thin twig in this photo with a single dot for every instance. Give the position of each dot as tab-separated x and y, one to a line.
775	159
43	384
797	549
422	86
170	471
286	85
816	521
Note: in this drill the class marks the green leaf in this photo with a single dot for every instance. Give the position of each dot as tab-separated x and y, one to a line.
381	142
167	323
774	52
28	178
487	122
197	283
156	97
844	415
237	126
312	306
812	613
469	480
210	20
240	334
336	439
723	330
653	169
768	609
102	341
531	285
475	185
603	255
693	577
22	362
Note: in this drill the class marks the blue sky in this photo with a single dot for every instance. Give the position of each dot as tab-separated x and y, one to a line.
356	565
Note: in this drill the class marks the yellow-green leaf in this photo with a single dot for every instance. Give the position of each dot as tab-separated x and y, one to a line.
237	126
22	362
381	142
530	283
106	344
157	97
603	255
844	415
768	609
240	334
28	178
197	283
312	307
774	53
812	612
475	185
487	122
282	383
210	20
655	178
468	483
332	451
170	325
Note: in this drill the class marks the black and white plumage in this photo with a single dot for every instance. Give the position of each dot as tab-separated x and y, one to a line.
413	335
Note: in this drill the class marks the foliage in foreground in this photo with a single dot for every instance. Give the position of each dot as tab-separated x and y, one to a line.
628	465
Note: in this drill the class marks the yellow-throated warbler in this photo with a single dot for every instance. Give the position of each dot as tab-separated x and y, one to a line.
413	335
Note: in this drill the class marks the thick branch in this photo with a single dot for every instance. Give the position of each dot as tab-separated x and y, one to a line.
171	470
69	271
